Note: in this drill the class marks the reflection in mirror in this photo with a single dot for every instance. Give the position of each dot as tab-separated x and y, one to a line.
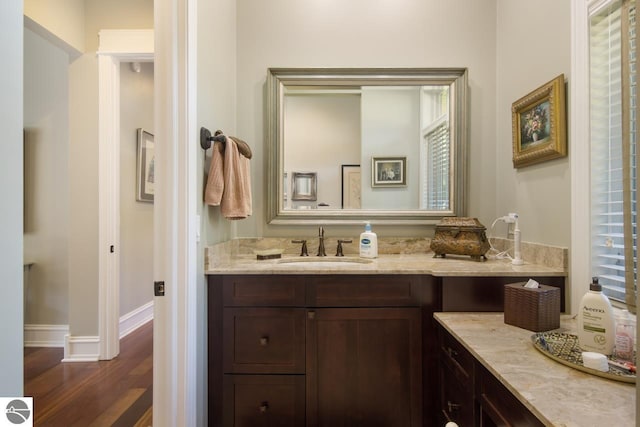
304	186
386	144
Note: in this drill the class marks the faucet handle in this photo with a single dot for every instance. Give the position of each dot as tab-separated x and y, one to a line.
303	250
339	250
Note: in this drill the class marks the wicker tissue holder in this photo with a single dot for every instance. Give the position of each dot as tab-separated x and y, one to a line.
535	309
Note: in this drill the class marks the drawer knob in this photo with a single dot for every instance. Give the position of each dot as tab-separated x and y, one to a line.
453	406
264	407
451	352
264	341
311	315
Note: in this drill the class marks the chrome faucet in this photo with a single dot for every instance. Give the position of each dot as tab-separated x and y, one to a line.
321	251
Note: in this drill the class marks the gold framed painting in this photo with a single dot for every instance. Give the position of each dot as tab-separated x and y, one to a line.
539	124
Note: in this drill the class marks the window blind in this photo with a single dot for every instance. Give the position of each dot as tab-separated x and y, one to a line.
436	185
612	167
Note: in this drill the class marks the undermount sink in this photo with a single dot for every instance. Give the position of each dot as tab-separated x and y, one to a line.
324	262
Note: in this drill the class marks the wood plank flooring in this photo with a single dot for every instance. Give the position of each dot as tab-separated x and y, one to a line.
114	392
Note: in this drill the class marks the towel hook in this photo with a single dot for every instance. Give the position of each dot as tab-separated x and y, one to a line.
206	138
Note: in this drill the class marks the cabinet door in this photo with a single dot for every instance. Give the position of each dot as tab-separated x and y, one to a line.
264	401
364	367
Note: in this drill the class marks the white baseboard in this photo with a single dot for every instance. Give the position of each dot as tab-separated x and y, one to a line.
81	349
136	318
45	335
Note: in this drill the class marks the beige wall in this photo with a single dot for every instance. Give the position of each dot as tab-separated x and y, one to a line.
136	218
493	39
216	103
46	123
216	94
361	33
527	59
83	157
62	20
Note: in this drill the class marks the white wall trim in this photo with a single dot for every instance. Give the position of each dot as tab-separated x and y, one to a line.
81	348
126	43
580	157
56	335
115	46
45	335
136	318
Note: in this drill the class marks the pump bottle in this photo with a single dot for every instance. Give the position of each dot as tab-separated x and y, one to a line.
368	243
596	325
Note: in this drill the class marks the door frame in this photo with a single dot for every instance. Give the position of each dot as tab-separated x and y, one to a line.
115	46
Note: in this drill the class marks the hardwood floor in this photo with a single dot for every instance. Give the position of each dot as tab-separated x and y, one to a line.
114	392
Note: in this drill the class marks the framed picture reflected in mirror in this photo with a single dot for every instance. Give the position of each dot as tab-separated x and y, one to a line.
304	186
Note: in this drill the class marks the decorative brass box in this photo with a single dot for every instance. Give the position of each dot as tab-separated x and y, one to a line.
460	236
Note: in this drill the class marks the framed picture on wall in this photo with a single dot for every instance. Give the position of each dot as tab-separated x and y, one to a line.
539	124
145	167
388	171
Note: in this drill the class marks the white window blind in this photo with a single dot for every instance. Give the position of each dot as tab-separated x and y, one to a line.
438	162
611	105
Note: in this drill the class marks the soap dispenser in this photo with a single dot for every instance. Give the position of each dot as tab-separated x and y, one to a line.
596	325
368	243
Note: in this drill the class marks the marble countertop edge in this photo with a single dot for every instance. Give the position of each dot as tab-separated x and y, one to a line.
385	264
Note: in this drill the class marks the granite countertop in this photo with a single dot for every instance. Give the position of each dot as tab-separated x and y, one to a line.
557	394
384	264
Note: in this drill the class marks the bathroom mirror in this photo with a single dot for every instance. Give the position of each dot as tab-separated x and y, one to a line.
400	135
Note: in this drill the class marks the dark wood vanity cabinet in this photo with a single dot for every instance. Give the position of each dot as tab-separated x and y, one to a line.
348	350
326	350
470	395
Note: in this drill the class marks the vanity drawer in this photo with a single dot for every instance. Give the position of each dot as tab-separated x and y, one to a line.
264	400
456	359
263	291
264	340
363	291
456	400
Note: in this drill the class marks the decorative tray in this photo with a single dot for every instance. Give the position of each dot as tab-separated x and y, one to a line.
564	348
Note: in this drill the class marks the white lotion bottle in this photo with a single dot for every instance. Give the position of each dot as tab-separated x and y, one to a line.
596	325
368	243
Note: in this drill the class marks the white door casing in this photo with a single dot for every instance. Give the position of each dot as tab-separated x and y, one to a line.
176	396
115	46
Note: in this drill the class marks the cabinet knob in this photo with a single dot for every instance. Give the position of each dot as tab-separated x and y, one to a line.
451	352
264	341
311	315
264	407
453	406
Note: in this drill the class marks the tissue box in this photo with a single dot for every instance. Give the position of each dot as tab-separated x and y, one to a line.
535	309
